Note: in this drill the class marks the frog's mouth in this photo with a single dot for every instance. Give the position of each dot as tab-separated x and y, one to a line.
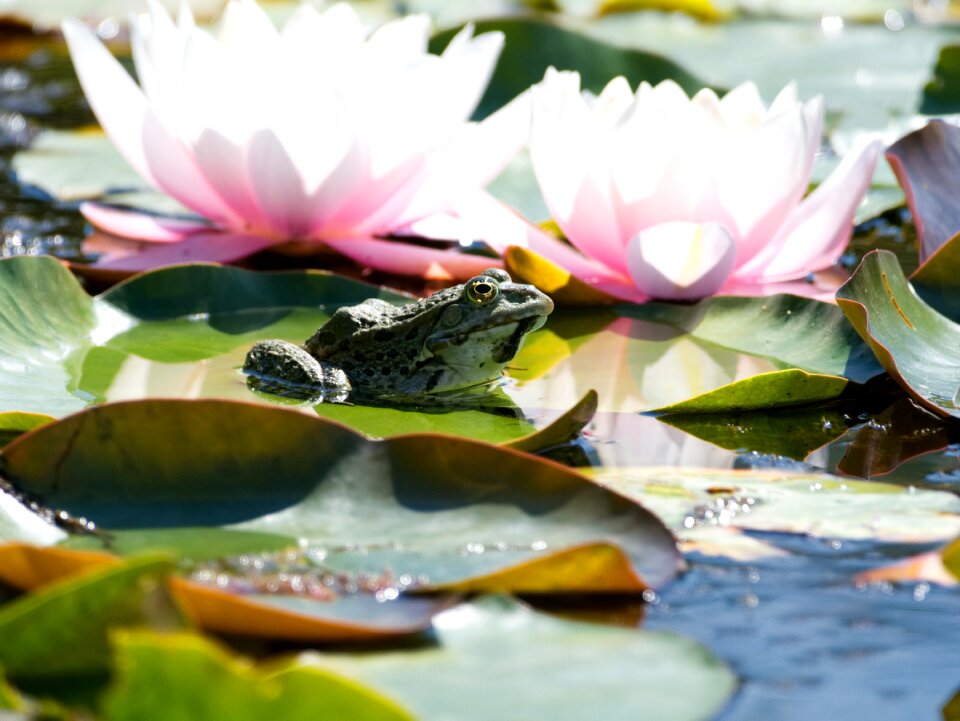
521	326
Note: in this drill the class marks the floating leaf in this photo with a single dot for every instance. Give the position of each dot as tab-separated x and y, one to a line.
915	344
777	327
496	659
182	677
62	629
466	515
790	387
690	499
532	45
563	430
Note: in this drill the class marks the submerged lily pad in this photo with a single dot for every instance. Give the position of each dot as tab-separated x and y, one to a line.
915	344
452	513
185	677
496	659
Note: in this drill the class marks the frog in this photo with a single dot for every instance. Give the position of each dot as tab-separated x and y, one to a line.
458	339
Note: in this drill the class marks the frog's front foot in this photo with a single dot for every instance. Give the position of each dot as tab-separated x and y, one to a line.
285	369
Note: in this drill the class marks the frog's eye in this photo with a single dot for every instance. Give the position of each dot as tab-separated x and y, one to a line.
482	289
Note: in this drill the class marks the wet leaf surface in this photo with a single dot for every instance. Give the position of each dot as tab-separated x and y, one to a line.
690	500
915	344
497	659
465	515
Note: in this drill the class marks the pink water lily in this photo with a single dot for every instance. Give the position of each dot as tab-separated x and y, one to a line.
316	131
672	197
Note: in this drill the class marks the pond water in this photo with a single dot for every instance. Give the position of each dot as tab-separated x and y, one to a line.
805	639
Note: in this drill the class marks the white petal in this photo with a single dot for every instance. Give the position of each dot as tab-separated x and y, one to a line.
402	41
743	106
816	233
140	137
681	261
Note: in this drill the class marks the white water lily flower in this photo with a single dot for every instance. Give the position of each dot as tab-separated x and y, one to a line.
674	197
316	131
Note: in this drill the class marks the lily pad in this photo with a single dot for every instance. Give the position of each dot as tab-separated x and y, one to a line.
790	387
690	500
185	677
63	629
456	514
777	327
534	44
496	659
915	344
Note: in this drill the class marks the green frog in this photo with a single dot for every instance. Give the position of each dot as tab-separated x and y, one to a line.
456	339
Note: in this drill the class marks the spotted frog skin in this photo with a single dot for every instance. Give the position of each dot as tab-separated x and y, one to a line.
457	338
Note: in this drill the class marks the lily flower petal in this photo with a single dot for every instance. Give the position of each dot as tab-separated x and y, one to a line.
681	261
816	233
392	256
141	226
125	114
200	247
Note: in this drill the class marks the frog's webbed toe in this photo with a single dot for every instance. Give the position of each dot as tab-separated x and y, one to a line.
285	369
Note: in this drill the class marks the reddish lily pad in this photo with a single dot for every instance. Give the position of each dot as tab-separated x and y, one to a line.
926	163
916	345
465	515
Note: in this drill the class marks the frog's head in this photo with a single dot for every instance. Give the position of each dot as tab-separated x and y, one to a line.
459	337
481	329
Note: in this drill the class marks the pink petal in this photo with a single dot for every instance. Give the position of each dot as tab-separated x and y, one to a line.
392	256
141	138
487	219
681	261
816	233
141	226
201	247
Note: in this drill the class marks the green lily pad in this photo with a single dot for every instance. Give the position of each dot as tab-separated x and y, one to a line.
63	628
692	501
453	513
915	344
777	327
791	432
496	659
534	44
182	677
790	387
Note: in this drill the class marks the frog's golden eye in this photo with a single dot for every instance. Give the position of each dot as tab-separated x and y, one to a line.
482	289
